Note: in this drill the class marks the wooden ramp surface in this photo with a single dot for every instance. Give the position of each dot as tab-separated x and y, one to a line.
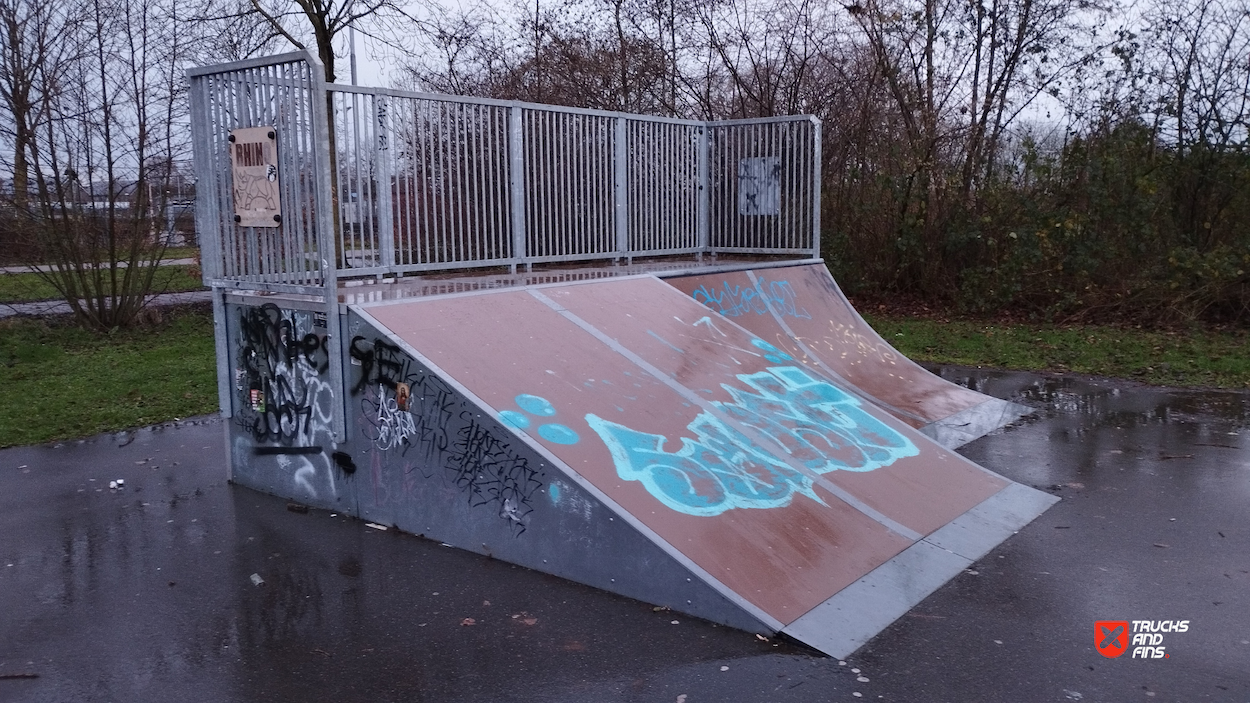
783	486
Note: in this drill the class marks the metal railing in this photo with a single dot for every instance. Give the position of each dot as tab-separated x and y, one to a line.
377	181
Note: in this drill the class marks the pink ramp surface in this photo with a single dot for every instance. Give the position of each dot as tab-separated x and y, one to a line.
922	491
826	334
770	478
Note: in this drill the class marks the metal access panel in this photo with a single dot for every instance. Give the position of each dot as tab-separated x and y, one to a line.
281	400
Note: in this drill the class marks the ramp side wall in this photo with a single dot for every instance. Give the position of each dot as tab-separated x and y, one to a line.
442	467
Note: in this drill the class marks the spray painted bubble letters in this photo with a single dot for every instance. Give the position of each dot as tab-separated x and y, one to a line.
802	419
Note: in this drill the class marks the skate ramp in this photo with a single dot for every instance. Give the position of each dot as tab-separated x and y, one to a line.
801	310
811	511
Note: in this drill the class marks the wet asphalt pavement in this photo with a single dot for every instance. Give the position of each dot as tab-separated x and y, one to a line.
146	593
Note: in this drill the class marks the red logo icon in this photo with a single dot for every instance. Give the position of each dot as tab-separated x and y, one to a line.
1111	637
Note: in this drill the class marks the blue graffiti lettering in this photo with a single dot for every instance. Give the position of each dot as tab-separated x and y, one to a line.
539	406
734	301
810	421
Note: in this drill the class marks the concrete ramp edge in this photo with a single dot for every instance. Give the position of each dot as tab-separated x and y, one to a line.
857	613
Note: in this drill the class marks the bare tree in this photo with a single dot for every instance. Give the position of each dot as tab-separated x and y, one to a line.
315	25
101	116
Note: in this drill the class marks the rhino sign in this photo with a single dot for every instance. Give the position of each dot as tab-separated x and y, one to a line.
254	166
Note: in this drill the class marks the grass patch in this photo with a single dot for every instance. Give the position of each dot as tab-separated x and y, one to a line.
1198	357
172	253
61	382
29	287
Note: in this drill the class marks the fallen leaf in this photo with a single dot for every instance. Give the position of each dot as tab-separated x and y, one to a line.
530	621
468	621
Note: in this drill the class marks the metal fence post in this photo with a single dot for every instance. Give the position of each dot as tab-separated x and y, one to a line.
620	178
816	184
705	190
383	188
326	237
516	184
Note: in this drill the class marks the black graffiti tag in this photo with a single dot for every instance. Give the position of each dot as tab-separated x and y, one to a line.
380	362
491	473
279	376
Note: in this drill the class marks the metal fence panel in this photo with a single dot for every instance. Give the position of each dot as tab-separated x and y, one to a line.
570	199
764	181
403	182
279	94
664	187
422	183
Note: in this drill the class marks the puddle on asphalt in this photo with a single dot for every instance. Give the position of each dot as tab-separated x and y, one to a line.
1113	400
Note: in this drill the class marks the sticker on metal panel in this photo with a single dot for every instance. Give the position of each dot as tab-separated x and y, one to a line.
759	186
254	170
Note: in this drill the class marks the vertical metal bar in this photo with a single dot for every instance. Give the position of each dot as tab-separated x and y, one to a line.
413	229
473	176
303	145
603	176
816	158
795	153
621	187
451	114
455	180
462	181
516	182
668	192
433	234
493	180
479	182
704	190
225	398
499	135
207	217
400	149
403	141
382	158
325	227
447	235
542	239
426	196
435	182
547	231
